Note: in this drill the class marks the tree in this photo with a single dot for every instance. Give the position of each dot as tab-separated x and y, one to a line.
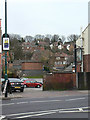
39	37
62	39
55	38
15	36
28	38
72	38
28	55
46	39
16	48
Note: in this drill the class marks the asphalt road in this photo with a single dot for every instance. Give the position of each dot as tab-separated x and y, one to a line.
53	104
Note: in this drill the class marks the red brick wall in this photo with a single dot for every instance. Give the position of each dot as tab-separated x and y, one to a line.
86	63
0	67
32	66
78	67
59	81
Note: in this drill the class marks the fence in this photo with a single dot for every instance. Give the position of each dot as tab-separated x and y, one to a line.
83	79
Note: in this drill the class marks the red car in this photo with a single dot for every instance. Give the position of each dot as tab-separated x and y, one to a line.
30	83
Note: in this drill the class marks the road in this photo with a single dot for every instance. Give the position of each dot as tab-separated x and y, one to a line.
47	104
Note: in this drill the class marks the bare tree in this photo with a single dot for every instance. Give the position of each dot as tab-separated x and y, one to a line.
55	38
72	38
63	38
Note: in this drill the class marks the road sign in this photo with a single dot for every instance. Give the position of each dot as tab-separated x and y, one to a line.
5	43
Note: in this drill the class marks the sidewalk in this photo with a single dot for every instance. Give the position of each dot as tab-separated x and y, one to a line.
30	93
10	96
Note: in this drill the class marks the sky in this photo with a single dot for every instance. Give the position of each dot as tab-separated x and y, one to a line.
31	17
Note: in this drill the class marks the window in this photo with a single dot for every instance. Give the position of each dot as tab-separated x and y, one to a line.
31	81
27	81
65	58
64	62
57	58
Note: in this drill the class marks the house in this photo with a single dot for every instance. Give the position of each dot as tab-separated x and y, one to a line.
69	46
43	44
61	61
36	55
28	46
83	51
30	68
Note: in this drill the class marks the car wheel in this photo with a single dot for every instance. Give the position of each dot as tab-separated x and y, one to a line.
38	86
21	90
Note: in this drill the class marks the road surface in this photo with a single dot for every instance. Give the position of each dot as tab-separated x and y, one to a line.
51	104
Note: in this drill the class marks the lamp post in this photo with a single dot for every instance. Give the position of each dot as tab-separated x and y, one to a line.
6	77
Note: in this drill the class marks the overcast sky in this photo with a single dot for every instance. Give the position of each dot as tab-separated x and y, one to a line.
31	17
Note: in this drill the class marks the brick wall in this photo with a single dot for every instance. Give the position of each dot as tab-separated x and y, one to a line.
86	63
32	72
0	67
32	66
78	67
58	81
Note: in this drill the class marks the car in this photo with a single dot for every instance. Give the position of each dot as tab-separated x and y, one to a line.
32	83
23	79
15	83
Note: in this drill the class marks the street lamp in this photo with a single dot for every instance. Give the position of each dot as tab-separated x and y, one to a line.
6	77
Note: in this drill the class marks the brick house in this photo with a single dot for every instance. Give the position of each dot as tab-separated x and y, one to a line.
83	51
69	45
61	60
30	68
27	46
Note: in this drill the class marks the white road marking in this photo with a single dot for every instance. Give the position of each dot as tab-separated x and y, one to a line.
43	101
22	102
46	101
72	111
75	99
31	102
80	109
32	112
35	115
8	104
2	117
56	110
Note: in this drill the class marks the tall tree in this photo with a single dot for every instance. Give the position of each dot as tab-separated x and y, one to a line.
62	38
72	38
55	38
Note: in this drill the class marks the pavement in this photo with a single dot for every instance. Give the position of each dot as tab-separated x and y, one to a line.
35	93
